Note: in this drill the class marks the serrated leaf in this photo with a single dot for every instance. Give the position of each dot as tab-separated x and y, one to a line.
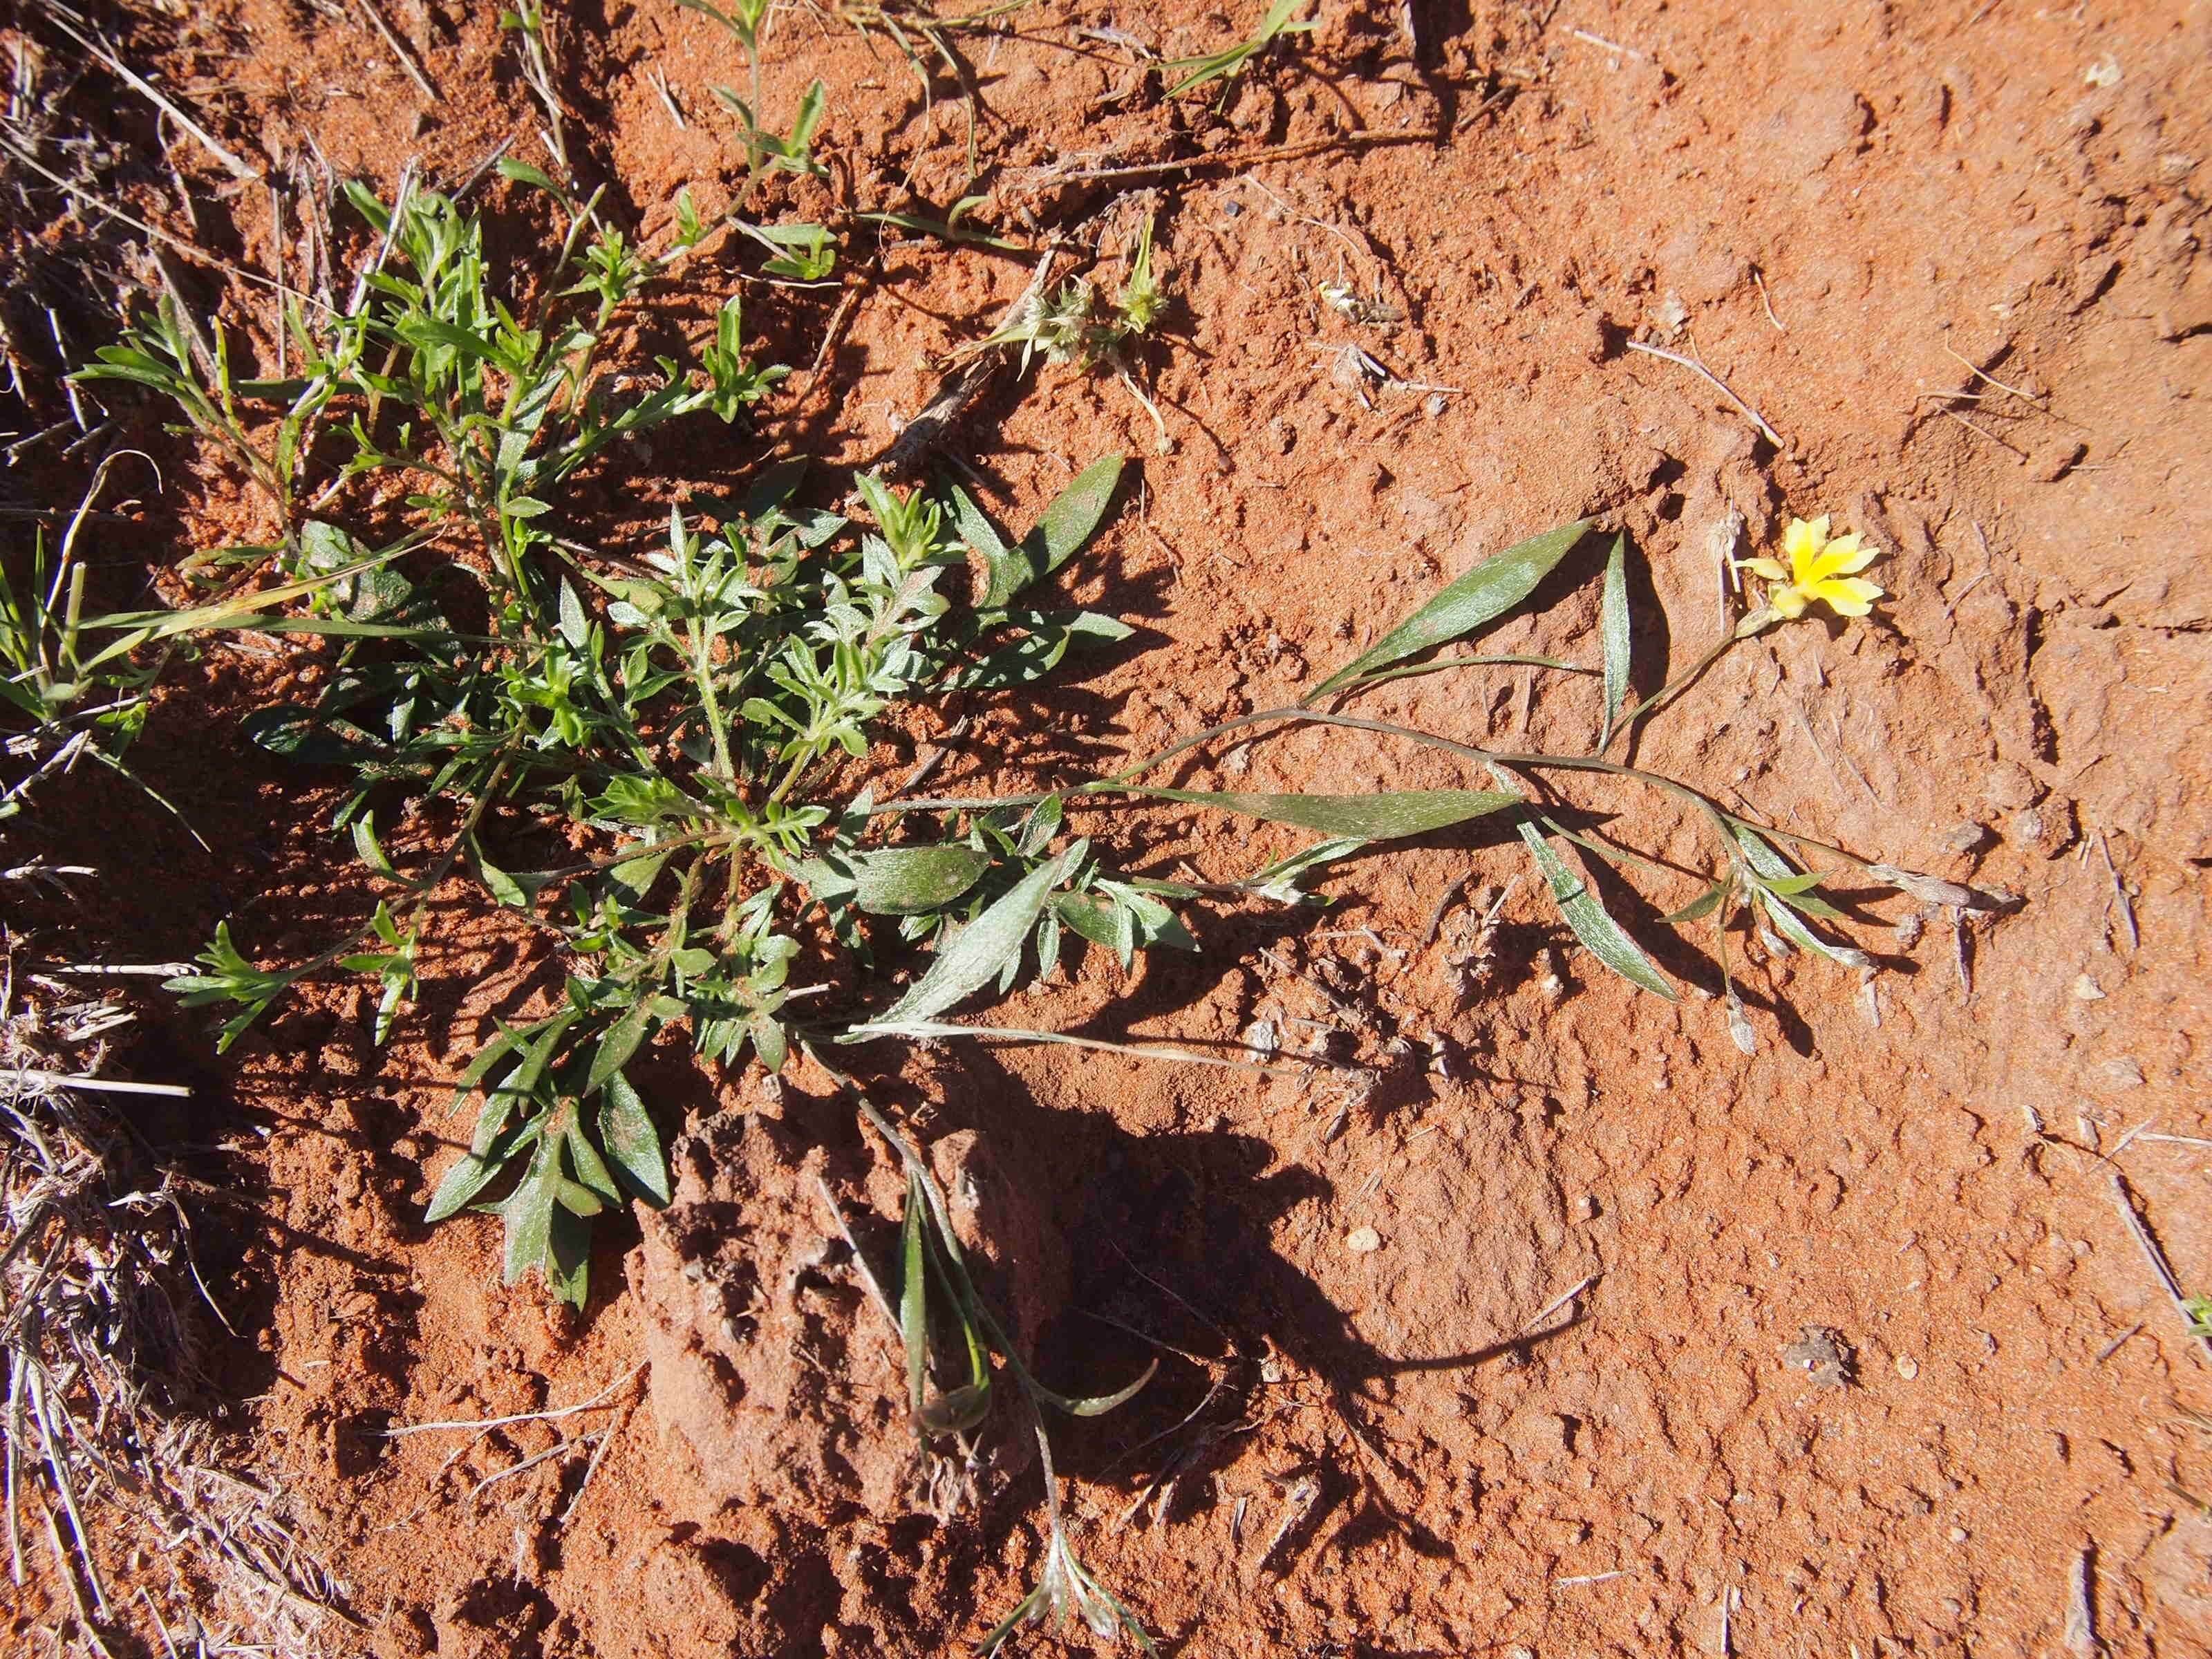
1383	816
1481	596
1613	633
906	881
1600	933
985	947
626	1130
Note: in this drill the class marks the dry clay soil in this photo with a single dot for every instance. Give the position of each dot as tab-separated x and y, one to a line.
1864	1361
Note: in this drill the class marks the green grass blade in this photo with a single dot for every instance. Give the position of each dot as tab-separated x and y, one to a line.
1481	596
913	1305
1386	816
1094	1405
1600	933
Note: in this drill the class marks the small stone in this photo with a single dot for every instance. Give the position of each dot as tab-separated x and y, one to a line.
1907	1366
2051	461
1823	1355
1958	1534
1965	837
2123	1073
2085	988
1260	1037
1363	1241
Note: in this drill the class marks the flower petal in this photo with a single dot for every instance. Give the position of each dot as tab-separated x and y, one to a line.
1842	556
1801	541
1786	600
1847	596
1771	569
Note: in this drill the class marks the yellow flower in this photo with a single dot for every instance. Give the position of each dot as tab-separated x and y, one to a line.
1821	568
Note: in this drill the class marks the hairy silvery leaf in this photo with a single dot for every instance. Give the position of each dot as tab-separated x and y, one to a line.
1481	596
1600	933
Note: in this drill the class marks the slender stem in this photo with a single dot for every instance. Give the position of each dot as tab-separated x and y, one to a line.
1118	782
1667	693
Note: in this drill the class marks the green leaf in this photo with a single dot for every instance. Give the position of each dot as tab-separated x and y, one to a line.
913	1301
1077	511
1097	1405
906	881
1704	905
1481	596
1381	817
1613	629
529	1212
522	172
365	843
620	1042
979	952
626	1130
1783	892
1783	877
1068	525
575	627
502	887
1597	930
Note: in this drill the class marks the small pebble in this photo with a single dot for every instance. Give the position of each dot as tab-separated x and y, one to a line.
1907	1367
1363	1241
1958	1534
2085	989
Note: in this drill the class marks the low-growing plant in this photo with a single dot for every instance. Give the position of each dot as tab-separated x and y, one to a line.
696	729
1228	62
1076	323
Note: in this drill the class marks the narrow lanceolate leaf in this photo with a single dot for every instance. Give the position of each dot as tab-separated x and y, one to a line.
1786	892
1077	511
626	1130
1782	878
1368	817
1481	596
905	881
1600	933
365	843
529	1212
913	1305
1068	525
982	951
1097	1405
620	1042
1613	625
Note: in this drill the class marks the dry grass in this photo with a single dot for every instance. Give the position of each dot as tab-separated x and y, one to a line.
124	1513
